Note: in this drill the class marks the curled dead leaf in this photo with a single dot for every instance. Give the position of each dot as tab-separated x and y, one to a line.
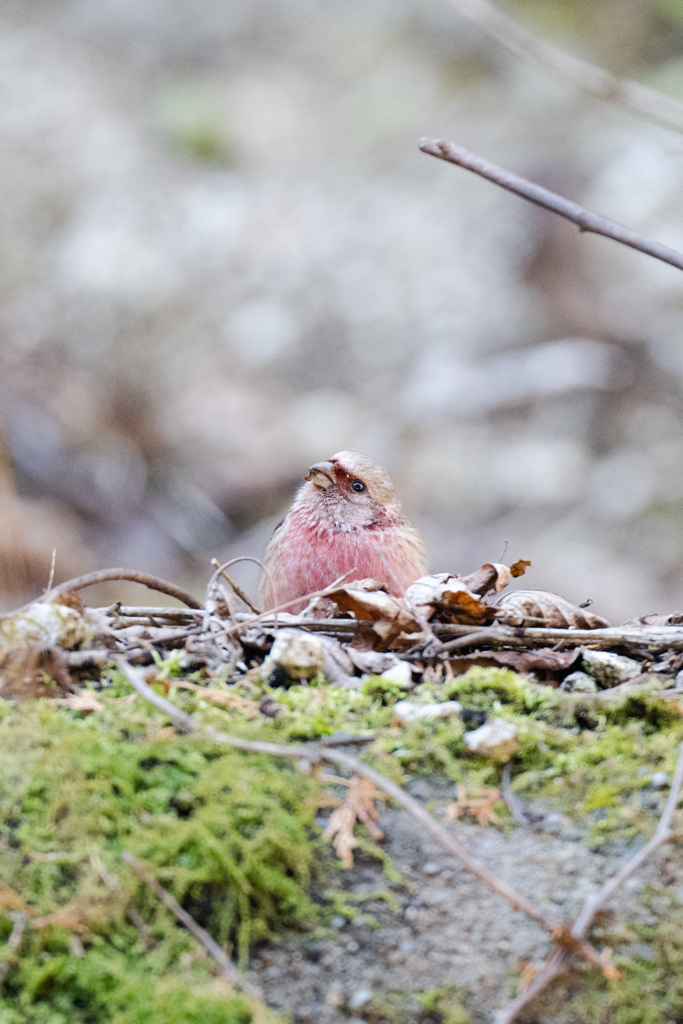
358	805
12	901
449	597
390	616
541	608
541	660
491	576
672	619
519	567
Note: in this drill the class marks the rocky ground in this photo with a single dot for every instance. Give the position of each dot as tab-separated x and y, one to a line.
452	932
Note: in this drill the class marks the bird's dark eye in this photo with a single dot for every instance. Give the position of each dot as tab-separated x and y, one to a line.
358	486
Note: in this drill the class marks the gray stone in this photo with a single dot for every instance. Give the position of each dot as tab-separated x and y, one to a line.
497	739
359	998
431	868
609	669
579	682
420	789
659	780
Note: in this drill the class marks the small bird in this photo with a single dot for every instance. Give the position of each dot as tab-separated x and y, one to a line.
345	516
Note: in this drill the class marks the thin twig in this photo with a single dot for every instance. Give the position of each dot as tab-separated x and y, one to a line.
662	834
184	723
20	920
474	636
555	965
632	96
514	804
230	972
53	562
230	630
670	637
144	611
105	575
585	220
221	571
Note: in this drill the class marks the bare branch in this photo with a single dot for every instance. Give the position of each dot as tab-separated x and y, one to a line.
288	604
585	220
221	571
555	965
633	96
105	575
514	804
662	834
230	972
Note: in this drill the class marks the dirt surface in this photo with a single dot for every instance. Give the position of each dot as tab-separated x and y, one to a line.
451	930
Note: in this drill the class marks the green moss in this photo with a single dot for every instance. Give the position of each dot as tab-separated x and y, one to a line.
228	834
232	836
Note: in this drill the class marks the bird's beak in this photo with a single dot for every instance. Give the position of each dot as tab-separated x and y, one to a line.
321	475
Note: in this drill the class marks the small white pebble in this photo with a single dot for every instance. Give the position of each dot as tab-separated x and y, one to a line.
359	998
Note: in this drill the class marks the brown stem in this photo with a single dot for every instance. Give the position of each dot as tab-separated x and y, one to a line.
585	220
105	575
221	571
554	965
662	833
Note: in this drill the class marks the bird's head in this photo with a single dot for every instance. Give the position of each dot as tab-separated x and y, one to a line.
349	488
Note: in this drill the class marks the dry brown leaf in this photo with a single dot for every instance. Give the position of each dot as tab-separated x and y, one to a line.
541	608
491	576
359	805
65	917
25	673
83	700
70	599
519	567
527	973
11	900
479	805
541	660
672	619
163	734
389	615
449	598
250	708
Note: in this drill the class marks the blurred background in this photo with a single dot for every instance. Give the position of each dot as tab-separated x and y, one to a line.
222	257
